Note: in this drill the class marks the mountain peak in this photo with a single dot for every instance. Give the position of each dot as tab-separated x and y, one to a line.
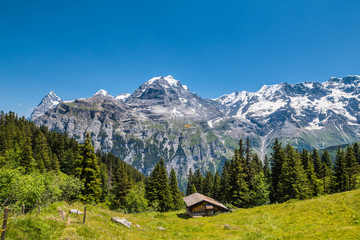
50	100
350	79
102	92
168	79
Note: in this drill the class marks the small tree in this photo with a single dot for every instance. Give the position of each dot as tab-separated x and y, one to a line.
158	189
175	192
261	190
121	187
135	199
87	170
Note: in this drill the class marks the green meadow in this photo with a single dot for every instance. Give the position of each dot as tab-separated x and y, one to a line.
335	216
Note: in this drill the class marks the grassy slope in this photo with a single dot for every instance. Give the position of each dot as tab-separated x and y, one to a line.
327	217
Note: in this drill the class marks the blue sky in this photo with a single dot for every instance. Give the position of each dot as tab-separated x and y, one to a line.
214	47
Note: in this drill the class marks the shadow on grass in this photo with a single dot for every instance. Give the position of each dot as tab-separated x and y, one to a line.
183	215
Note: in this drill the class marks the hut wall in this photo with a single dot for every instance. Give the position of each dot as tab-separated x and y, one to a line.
200	207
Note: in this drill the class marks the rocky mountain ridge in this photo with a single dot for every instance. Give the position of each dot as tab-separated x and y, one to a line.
150	123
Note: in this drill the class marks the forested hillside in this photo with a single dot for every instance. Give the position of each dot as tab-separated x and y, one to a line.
288	174
38	167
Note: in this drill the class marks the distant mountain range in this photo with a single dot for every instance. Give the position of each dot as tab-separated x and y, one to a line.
150	123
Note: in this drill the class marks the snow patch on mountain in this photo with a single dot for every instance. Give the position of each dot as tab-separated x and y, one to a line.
123	96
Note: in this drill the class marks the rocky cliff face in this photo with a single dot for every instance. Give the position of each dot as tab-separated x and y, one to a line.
150	123
51	100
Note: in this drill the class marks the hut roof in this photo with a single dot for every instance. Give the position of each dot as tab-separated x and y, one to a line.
198	197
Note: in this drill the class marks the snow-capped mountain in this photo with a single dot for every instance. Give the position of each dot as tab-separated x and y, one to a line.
122	96
149	123
165	96
51	100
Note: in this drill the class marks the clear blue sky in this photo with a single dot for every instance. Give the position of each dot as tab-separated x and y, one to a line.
77	47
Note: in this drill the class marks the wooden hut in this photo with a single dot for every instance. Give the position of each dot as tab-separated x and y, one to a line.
198	204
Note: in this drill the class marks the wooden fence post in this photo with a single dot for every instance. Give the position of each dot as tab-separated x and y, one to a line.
3	229
84	215
23	209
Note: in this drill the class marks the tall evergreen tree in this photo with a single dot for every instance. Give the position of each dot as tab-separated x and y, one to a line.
326	158
261	191
266	170
55	164
356	148
208	184
198	181
276	161
120	187
239	188
352	168
42	152
326	171
175	192
225	183
104	175
27	160
87	170
326	174
190	182
241	148
158	189
317	162
310	173
293	179
341	178
216	194
249	167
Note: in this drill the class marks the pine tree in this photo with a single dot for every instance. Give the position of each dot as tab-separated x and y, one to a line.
249	167
341	178
66	165
189	189
175	192
158	189
241	148
317	162
276	161
261	191
120	187
193	188
55	164
104	175
208	184
239	188
198	181
27	160
225	183
310	173
87	170
326	171
217	186
352	168
357	151
256	164
266	170
42	152
293	179
326	158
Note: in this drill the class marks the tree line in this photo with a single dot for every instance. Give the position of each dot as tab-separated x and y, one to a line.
38	167
288	174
